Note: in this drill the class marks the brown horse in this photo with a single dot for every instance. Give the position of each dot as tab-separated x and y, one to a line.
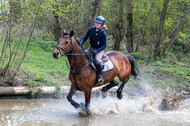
83	76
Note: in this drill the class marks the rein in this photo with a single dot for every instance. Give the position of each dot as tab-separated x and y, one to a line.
72	54
76	71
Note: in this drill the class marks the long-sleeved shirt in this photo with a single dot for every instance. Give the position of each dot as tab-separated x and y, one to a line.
97	42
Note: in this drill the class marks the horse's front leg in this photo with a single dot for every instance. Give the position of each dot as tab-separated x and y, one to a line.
72	91
87	101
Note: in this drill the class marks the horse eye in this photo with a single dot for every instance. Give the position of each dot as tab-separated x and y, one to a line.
66	42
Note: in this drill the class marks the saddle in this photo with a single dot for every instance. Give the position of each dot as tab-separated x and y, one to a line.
108	65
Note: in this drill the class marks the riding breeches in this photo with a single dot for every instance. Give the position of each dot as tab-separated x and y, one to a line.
98	56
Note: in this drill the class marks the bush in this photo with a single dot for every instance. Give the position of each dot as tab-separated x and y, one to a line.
180	47
158	63
138	56
180	42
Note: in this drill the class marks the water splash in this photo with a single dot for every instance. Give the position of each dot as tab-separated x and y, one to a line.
145	100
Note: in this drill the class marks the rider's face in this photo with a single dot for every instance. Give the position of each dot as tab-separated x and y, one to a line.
98	25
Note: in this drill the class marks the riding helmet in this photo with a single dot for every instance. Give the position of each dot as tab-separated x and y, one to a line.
100	19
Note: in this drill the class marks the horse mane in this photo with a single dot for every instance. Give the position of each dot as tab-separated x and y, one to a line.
67	33
78	43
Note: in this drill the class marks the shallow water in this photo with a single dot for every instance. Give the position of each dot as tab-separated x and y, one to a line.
109	111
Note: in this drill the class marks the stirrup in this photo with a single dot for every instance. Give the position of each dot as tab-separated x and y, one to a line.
100	79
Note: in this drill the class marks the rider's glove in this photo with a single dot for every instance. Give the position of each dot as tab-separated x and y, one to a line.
94	52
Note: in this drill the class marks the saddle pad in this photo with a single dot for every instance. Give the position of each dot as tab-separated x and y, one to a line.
108	66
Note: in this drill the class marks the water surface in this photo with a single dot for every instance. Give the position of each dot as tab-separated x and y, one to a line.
105	112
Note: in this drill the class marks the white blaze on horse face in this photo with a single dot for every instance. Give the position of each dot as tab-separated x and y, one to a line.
59	55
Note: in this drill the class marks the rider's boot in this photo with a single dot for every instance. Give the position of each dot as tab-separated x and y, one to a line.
99	68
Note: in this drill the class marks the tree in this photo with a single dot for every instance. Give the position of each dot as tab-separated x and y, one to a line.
160	30
119	29
17	39
56	25
174	36
93	11
129	34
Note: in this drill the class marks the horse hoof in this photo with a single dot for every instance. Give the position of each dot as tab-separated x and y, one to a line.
104	95
84	112
119	96
88	112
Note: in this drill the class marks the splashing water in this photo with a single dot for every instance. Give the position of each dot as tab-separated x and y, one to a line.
147	101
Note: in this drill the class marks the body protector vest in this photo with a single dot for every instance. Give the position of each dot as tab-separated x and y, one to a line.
96	37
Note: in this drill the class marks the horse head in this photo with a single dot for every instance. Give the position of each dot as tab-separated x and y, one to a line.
64	45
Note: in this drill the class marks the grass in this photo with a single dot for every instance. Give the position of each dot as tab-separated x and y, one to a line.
165	72
41	68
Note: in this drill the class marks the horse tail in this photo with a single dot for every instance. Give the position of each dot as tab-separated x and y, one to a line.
134	69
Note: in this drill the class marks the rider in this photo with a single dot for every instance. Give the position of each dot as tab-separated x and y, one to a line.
98	42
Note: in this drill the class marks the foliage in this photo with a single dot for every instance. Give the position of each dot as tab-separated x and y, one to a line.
18	17
138	56
180	42
14	43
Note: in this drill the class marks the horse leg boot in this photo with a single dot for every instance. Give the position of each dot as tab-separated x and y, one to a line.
69	97
100	67
107	87
119	91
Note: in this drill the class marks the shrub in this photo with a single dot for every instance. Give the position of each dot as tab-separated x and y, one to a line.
180	42
158	63
138	56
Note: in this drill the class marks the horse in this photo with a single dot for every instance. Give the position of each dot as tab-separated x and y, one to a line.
83	76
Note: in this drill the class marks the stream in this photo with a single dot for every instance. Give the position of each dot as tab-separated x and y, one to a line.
138	111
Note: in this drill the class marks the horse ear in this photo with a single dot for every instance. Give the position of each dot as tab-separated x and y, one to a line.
64	31
71	33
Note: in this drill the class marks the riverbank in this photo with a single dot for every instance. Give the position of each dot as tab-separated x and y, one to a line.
41	92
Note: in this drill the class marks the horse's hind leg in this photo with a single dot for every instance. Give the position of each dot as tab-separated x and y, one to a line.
107	87
119	91
69	96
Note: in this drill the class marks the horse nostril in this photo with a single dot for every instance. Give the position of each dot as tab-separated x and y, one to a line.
55	55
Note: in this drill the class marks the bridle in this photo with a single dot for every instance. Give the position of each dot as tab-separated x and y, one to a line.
65	52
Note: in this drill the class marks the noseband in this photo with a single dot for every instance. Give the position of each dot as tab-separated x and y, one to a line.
64	50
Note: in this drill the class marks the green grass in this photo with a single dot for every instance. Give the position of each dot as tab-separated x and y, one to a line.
41	68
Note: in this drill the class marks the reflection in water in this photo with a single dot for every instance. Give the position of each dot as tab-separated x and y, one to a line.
109	111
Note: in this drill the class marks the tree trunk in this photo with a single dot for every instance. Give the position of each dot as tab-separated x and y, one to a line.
99	8
93	11
174	36
160	30
129	34
119	26
145	26
56	26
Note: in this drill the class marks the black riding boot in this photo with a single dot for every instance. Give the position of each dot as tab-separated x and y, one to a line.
99	68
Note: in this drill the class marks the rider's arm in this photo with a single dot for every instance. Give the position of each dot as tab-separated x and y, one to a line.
104	40
85	37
